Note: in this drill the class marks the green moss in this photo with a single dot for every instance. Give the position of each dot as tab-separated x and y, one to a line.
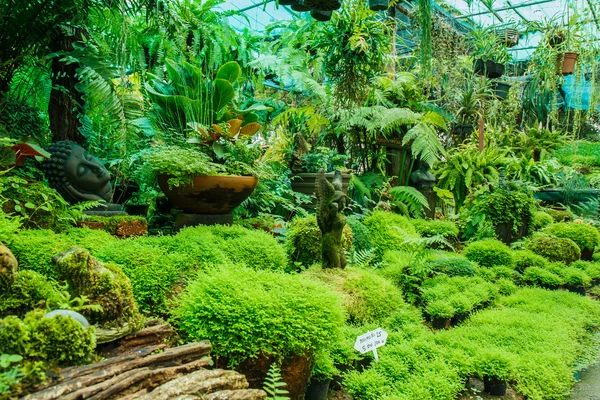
303	240
389	231
489	253
428	228
30	290
554	248
539	220
247	313
112	223
361	238
453	266
444	296
34	250
559	215
541	277
57	341
524	259
584	235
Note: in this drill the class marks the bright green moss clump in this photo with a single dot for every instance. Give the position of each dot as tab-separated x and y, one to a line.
361	238
554	248
584	235
246	313
428	228
389	231
58	341
539	220
489	253
30	290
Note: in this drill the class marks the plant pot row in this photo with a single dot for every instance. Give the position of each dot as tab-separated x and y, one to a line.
322	10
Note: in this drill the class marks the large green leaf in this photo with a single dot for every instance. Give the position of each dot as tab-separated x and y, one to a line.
253	108
230	72
223	93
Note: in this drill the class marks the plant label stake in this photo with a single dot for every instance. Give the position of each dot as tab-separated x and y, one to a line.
370	341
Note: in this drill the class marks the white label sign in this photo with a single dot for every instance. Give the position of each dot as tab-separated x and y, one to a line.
370	341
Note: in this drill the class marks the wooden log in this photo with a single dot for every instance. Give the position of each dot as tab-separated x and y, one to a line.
174	356
149	336
89	391
246	394
199	382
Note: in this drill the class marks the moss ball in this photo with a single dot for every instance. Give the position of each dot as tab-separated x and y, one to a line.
554	248
489	253
389	231
584	235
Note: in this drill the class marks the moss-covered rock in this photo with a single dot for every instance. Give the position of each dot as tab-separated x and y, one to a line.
489	253
103	284
584	235
539	220
554	248
29	291
8	267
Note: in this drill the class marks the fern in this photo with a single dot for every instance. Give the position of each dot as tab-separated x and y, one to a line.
274	383
414	201
364	258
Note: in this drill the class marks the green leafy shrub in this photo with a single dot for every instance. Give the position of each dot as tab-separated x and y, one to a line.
539	220
366	296
489	253
554	248
247	313
541	277
494	364
584	235
428	228
502	271
575	276
303	240
57	341
30	290
454	265
90	239
591	268
559	215
389	231
524	259
506	287
8	227
361	238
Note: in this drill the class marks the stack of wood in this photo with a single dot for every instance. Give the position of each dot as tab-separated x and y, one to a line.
143	366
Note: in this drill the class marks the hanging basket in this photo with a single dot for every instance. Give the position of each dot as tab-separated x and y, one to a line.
489	68
323	5
300	6
507	36
321	15
379	5
287	2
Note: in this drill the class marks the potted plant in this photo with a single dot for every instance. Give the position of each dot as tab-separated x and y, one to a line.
509	37
494	367
469	100
440	313
490	55
139	202
322	374
324	5
197	111
379	5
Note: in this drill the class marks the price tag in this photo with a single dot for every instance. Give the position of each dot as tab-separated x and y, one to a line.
370	341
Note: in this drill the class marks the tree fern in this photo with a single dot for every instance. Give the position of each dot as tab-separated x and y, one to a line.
274	383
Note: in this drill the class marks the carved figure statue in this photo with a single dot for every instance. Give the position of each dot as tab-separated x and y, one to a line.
8	267
301	149
422	179
76	174
331	200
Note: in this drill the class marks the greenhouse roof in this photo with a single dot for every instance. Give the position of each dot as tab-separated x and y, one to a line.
256	15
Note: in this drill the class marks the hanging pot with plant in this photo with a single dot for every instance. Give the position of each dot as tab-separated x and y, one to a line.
300	6
565	64
489	69
500	89
323	5
509	37
379	5
321	15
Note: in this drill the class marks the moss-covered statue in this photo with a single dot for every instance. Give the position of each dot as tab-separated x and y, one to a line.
76	174
104	285
331	200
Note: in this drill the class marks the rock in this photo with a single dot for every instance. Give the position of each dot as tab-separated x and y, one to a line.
69	313
103	285
8	266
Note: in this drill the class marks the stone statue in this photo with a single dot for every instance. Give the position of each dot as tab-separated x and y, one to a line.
8	267
331	200
76	174
423	180
301	149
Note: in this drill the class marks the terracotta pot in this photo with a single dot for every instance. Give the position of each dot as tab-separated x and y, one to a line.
566	63
306	183
209	194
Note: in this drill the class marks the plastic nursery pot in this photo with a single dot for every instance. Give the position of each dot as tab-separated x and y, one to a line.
379	5
323	5
489	68
440	323
501	89
286	2
321	15
587	254
458	318
494	386
317	390
136	209
566	63
300	6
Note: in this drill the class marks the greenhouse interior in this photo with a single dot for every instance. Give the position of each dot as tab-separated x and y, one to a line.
300	199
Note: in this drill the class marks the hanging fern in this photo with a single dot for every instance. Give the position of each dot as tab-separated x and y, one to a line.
414	200
274	383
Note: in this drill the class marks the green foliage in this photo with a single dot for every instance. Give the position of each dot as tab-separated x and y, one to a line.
590	268
524	259
453	266
539	220
8	227
303	240
278	315
361	238
559	215
34	250
538	276
324	368
389	231
576	277
409	199
274	383
57	341
494	364
15	374
30	290
428	228
489	253
445	296
366	296
21	121
584	235
554	248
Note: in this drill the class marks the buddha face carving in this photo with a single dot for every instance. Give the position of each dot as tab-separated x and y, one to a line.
76	174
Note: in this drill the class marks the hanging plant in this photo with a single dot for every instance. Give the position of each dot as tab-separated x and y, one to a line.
425	16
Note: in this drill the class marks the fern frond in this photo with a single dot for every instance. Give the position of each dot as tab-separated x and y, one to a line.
274	383
411	197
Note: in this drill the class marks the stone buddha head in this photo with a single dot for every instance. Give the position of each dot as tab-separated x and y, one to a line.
76	174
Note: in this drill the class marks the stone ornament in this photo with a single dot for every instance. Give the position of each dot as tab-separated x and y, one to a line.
76	174
331	201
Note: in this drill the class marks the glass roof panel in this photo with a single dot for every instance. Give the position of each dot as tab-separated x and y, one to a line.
257	15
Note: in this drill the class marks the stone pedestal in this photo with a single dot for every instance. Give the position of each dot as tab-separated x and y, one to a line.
183	220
